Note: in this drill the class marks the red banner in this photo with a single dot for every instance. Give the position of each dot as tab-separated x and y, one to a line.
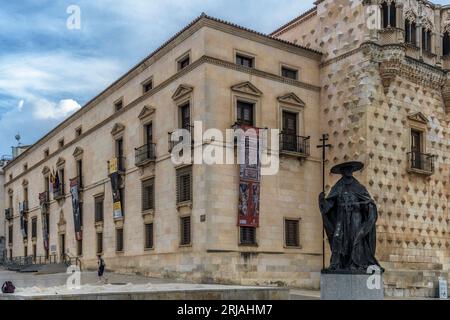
250	177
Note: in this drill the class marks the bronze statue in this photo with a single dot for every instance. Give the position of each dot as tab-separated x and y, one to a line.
349	216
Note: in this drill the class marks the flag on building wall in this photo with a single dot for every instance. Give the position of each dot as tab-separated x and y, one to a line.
76	208
43	200
250	178
115	187
22	219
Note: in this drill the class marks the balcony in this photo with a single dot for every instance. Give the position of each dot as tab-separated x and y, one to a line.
145	154
44	197
295	145
421	163
172	144
9	214
391	36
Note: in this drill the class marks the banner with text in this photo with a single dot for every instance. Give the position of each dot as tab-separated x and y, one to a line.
76	208
43	201
250	176
115	187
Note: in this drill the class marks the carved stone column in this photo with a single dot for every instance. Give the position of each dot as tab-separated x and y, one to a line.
399	14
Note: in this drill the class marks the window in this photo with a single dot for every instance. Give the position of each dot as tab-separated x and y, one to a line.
289	73
46	153
78	132
148	188
416	149
80	173
426	40
149	236
185	116
79	247
99	209
185	231
389	14
446	44
410	32
99	243
25	251
184	62
10	235
290	137
119	240
292	233
147	86
245	113
245	61
119	154
61	143
184	184
247	235
62	180
118	105
34	228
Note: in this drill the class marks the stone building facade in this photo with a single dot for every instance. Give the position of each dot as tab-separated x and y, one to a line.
371	74
385	101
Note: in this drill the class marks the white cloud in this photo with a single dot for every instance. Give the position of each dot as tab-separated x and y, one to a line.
20	105
44	109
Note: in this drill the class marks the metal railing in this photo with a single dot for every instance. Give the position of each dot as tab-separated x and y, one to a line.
71	261
9	213
421	161
295	144
145	154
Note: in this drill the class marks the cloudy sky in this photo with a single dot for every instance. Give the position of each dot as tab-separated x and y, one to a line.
48	71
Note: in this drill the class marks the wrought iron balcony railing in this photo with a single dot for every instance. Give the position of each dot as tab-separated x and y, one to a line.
421	162
293	144
9	214
145	154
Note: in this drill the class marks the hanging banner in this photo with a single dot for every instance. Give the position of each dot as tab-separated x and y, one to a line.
250	177
22	219
76	208
115	186
43	201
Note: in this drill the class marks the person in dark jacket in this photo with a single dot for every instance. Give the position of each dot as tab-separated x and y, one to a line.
101	269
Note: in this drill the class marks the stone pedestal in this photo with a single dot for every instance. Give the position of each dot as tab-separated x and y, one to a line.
341	286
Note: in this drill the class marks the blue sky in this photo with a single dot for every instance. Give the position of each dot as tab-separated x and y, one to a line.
47	71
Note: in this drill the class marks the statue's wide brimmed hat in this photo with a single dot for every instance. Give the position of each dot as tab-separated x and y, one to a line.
348	166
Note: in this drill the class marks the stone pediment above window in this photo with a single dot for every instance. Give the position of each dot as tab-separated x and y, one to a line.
418	117
117	129
78	152
247	88
61	162
182	91
292	99
146	112
46	170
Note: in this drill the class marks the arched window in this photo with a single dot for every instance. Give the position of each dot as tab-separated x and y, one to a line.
426	39
446	44
389	14
410	32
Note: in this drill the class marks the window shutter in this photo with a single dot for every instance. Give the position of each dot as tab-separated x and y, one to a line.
185	227
148	195
149	236
119	240
184	184
248	235
292	233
